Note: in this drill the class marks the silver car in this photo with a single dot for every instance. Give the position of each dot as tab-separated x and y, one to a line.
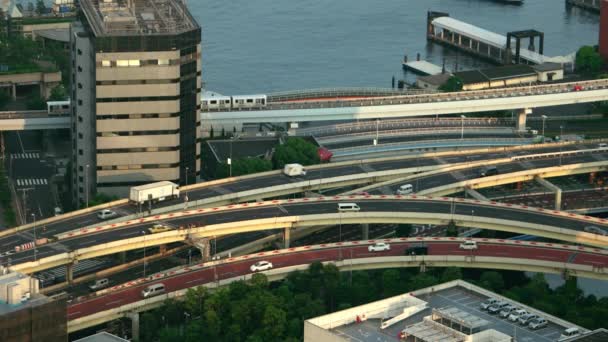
489	302
525	319
537	323
506	311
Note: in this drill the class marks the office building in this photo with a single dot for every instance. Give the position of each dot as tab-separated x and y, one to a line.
136	85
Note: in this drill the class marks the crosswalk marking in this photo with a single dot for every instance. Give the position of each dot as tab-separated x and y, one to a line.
31	181
32	155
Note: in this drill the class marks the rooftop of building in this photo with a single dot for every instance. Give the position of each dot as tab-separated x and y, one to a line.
599	335
496	73
547	66
137	17
427	315
102	337
436	80
242	148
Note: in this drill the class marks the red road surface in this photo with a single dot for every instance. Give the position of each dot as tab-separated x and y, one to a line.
544	252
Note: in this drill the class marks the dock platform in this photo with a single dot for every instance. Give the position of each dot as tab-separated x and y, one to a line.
423	67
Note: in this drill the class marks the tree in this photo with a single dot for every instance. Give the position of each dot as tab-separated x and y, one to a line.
403	230
101	198
451	230
30	7
58	93
40	7
295	150
391	282
274	323
243	166
588	60
452	84
492	280
451	273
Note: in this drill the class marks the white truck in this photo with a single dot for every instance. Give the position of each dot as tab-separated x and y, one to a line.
292	170
158	191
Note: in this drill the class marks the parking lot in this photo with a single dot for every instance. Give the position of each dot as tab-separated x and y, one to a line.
456	297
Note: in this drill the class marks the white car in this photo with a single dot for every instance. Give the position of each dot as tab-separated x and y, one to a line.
106	214
514	316
261	266
379	247
468	244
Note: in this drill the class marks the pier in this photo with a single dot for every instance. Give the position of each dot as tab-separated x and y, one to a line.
591	5
443	29
422	67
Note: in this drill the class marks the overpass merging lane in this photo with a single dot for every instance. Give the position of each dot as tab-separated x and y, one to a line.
514	255
294	213
201	191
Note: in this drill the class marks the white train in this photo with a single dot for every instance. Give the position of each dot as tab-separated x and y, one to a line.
58	107
212	101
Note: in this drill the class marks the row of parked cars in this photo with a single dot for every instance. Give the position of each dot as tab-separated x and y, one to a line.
518	315
514	314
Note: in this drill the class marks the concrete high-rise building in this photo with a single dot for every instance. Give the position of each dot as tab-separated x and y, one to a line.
603	41
136	86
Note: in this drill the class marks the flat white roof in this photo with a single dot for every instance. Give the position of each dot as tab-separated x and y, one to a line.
425	67
483	35
152	185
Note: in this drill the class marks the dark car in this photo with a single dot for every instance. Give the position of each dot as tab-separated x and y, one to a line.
488	171
417	250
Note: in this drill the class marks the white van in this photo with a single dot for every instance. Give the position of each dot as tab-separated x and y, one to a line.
153	290
468	244
405	189
348	207
100	284
568	333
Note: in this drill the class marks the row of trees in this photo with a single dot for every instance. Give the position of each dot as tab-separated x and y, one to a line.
259	311
294	150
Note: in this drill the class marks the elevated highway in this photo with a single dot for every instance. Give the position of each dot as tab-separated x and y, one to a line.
33	120
274	183
124	299
516	98
293	214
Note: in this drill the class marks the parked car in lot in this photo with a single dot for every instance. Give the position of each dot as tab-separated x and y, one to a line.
506	311
569	333
527	318
379	247
595	230
468	244
489	302
515	315
496	308
537	323
106	214
261	266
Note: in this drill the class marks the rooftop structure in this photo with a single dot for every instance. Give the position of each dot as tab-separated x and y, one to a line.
137	17
102	337
445	312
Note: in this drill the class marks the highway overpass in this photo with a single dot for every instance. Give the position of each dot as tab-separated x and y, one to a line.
274	183
192	226
125	299
33	120
515	98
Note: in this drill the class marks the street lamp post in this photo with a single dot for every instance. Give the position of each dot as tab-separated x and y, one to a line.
86	184
230	158
462	117
561	137
187	168
377	133
144	232
544	118
35	238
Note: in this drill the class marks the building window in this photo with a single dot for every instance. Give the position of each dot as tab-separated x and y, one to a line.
79	118
80	179
81	190
79	135
164	62
79	85
80	168
80	102
80	152
134	63
106	64
79	52
79	69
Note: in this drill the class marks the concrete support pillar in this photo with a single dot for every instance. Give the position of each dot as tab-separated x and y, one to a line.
521	119
592	177
69	274
519	186
476	195
134	316
286	237
123	257
365	231
162	249
459	39
557	190
14	93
